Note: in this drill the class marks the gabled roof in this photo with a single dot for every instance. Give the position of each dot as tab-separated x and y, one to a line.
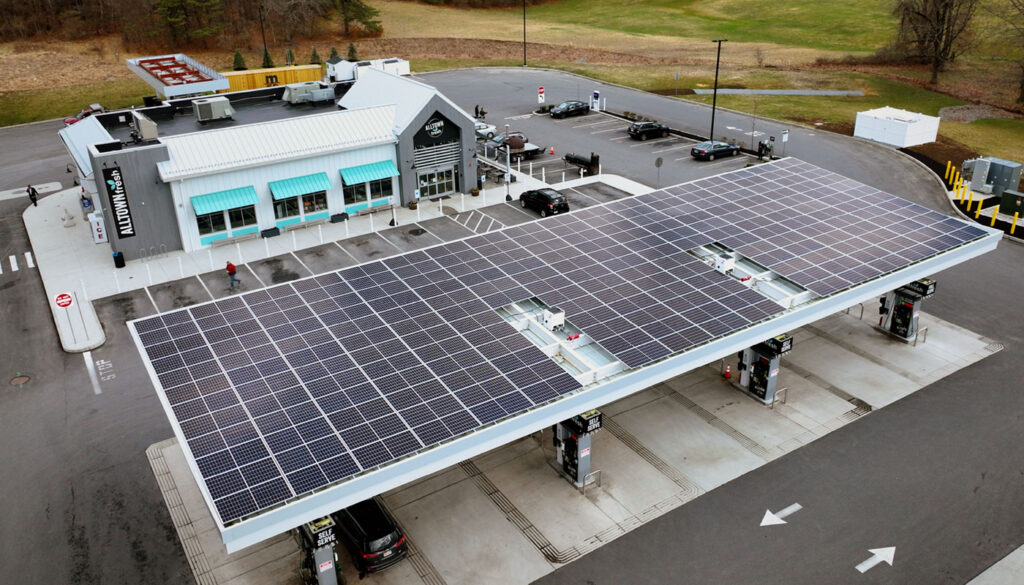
202	153
375	86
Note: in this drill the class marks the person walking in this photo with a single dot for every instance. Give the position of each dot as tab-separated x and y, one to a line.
231	270
33	195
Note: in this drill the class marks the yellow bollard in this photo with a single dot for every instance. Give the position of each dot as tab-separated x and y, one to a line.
949	165
969	201
995	212
957	179
1013	226
958	185
959	194
977	213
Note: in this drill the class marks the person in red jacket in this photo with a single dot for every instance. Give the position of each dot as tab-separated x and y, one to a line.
231	274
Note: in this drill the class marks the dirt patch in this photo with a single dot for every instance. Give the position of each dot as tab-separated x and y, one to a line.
970	113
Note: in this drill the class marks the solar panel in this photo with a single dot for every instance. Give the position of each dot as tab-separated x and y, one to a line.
282	391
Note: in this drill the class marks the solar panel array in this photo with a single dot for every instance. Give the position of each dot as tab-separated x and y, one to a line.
284	391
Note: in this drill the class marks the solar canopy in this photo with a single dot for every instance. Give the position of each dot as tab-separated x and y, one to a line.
283	392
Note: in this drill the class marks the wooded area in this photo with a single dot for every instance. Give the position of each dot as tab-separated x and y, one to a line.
180	24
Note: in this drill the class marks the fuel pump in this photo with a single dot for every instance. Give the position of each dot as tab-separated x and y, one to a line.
900	309
759	367
572	445
319	562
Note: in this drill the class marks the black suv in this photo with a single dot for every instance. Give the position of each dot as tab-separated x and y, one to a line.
371	536
644	130
572	108
711	149
544	201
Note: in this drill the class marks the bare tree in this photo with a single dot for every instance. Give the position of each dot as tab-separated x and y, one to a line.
936	30
1011	13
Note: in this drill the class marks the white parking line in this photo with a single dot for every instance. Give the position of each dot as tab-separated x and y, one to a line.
28	259
674	148
14	263
710	162
608	130
597	123
652	142
91	368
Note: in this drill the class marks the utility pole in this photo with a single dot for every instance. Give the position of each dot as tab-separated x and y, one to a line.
262	34
714	97
524	33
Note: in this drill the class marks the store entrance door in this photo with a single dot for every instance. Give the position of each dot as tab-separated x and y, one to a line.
438	183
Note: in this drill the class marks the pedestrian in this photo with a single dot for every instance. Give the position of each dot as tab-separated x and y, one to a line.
231	274
33	195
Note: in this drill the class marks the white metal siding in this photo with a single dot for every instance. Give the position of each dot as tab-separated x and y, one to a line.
259	177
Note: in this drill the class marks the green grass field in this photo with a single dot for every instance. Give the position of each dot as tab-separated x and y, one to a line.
20	107
844	25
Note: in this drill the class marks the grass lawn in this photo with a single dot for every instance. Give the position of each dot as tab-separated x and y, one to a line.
29	106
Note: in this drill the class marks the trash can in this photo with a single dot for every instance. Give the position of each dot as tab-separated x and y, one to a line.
118	260
480	182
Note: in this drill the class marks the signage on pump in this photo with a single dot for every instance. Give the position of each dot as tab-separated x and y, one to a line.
326	566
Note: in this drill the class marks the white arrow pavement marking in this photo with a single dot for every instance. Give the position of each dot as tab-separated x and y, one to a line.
777	518
877	556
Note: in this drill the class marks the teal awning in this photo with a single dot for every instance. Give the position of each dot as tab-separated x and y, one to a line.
221	200
384	169
300	186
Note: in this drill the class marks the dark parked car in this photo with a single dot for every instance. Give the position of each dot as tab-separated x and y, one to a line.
644	130
371	536
544	201
571	108
711	150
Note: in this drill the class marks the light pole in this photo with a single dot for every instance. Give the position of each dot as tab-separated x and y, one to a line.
262	34
714	97
524	33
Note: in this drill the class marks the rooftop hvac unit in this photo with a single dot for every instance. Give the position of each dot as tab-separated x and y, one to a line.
214	108
143	128
298	93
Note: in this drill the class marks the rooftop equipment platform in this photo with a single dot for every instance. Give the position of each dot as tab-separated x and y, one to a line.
177	75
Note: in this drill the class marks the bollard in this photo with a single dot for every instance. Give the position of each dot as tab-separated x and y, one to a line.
417	213
963	193
563	176
977	213
210	254
995	212
949	165
463	201
346	228
1013	227
440	206
295	244
519	165
266	247
238	251
970	200
149	274
181	269
531	169
542	178
320	231
394	215
117	282
370	215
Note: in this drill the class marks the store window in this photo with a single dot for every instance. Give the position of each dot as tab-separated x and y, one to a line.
355	193
313	202
211	223
286	207
242	216
219	221
381	188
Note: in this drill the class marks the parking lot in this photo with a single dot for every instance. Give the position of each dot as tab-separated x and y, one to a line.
605	135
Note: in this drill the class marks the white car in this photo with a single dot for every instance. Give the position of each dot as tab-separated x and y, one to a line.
485	131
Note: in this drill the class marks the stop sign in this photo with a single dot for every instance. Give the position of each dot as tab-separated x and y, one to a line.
540	90
63	300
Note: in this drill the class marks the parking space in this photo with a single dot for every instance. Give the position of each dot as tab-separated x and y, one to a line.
605	135
216	281
283	268
179	293
368	247
323	258
410	237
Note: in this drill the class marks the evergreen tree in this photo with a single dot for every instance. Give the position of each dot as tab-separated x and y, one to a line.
334	53
239	61
267	61
315	59
289	57
358	12
352	56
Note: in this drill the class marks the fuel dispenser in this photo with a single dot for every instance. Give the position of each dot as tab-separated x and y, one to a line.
572	445
319	562
759	367
899	310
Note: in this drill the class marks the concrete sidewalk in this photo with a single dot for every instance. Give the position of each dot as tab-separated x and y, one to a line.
508	517
71	264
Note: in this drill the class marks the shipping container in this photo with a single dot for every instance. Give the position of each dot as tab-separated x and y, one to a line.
275	76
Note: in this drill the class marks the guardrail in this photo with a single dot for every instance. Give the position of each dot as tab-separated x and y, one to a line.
923	332
783	393
592	477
